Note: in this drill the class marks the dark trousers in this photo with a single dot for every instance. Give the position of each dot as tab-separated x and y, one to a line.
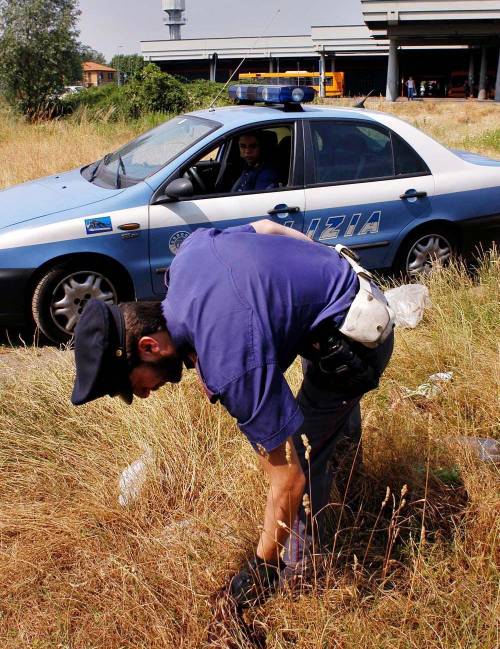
332	425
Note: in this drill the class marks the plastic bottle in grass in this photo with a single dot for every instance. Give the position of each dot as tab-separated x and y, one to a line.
485	449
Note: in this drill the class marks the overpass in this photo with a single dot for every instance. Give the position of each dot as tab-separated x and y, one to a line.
398	38
474	24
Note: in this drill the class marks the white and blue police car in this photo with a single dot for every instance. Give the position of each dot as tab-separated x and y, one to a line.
110	229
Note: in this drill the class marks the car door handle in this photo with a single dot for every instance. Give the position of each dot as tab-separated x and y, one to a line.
412	193
283	209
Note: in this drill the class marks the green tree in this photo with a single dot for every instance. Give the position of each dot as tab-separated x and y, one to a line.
128	65
88	53
154	91
38	51
85	53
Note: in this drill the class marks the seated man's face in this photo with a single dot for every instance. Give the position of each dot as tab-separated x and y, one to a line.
249	149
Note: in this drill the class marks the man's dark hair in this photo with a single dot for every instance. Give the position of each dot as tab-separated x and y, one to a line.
141	319
258	135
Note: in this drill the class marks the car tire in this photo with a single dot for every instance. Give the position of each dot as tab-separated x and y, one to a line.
62	292
423	251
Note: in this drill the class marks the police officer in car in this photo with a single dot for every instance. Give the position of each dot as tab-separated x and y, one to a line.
241	305
258	172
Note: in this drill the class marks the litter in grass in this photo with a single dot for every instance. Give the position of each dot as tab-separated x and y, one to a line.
133	478
431	388
485	449
408	302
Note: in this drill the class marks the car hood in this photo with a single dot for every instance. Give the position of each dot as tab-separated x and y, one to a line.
477	159
49	195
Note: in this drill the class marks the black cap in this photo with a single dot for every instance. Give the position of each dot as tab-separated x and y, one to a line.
100	355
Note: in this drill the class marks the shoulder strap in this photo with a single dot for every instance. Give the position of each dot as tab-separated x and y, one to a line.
351	259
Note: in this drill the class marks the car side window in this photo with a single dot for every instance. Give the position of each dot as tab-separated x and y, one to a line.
351	151
407	161
251	161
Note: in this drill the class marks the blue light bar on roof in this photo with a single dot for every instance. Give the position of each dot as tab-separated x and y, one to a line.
272	94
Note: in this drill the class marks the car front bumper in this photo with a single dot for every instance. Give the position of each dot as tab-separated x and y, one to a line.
14	285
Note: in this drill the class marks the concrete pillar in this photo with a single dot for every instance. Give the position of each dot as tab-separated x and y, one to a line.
472	72
322	80
482	76
271	64
213	67
333	62
497	85
392	91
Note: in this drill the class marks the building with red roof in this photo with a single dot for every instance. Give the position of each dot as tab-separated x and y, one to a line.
95	74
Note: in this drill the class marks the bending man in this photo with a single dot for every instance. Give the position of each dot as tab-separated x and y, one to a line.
241	304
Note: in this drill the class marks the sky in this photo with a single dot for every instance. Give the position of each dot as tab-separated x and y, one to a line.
118	26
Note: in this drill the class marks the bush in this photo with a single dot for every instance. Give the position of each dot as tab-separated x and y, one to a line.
154	91
109	99
151	92
201	94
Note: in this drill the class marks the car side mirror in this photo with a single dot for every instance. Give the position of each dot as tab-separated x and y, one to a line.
177	189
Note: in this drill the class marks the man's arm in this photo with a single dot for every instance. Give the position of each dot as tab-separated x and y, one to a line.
286	487
266	226
259	577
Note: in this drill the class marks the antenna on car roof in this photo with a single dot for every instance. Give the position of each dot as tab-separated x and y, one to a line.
211	107
361	104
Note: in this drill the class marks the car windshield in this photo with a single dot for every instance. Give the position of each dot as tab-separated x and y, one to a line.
149	152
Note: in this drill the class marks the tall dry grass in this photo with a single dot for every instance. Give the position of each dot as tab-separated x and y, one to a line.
79	571
30	151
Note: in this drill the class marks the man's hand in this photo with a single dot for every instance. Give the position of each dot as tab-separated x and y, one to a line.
286	487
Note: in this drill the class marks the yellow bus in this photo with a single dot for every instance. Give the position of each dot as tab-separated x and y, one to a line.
334	81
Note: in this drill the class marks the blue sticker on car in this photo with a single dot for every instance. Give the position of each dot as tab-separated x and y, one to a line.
99	224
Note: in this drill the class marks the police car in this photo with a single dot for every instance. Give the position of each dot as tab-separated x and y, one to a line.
109	230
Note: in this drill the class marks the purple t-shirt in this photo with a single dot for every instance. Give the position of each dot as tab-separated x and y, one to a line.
244	302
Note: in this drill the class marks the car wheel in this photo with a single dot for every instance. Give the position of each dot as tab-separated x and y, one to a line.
425	251
61	294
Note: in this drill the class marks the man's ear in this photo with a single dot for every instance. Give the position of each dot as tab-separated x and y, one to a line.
148	348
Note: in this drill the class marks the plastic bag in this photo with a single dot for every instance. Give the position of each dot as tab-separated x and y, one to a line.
485	449
133	478
431	388
408	303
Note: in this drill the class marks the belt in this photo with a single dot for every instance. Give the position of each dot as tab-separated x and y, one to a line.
369	320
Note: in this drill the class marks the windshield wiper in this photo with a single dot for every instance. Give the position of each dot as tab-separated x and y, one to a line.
118	177
98	166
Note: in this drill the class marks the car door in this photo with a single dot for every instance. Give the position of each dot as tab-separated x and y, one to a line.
364	185
172	221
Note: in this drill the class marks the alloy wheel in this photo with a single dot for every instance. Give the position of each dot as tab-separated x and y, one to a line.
428	252
73	292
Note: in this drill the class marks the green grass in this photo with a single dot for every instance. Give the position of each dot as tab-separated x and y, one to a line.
487	140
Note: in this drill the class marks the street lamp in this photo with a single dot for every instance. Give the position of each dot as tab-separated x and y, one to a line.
120	47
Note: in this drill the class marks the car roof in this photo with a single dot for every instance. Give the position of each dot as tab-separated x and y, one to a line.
242	115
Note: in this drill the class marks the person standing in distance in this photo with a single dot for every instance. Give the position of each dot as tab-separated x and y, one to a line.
410	89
